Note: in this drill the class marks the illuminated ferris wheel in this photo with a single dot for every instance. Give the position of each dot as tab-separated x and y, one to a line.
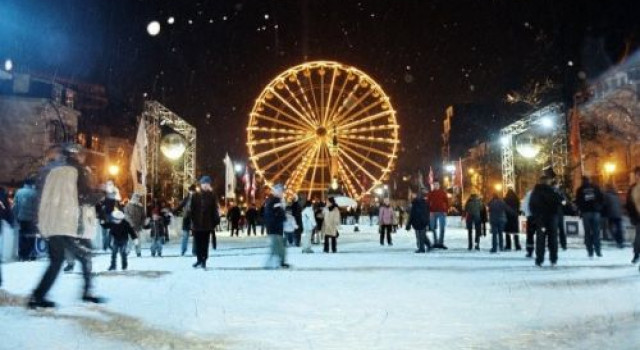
320	125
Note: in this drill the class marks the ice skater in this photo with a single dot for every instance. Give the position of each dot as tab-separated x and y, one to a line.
205	216
274	217
65	192
308	225
120	231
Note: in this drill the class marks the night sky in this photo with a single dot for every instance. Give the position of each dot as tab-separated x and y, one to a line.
213	61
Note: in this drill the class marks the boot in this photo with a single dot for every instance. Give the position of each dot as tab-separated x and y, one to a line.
68	268
40	303
112	267
636	258
93	299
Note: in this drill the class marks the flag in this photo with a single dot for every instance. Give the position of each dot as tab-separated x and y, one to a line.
430	179
459	173
138	166
253	187
229	178
247	182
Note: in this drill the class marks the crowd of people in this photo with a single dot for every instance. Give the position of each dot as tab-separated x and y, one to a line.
64	206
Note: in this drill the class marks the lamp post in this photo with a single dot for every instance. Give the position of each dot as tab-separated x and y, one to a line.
609	169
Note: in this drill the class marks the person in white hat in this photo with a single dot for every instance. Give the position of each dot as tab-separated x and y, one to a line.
120	231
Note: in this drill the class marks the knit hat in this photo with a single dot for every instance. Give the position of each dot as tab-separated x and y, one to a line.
117	215
206	179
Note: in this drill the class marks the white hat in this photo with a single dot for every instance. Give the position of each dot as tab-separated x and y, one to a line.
117	215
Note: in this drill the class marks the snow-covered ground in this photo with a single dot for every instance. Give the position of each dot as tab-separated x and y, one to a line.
364	297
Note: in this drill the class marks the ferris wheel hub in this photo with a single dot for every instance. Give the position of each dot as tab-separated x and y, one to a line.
321	131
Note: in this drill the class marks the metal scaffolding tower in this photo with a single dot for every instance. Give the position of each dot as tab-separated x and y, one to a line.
183	171
558	139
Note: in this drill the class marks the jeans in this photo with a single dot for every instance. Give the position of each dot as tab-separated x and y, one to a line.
438	219
185	241
57	246
591	222
250	225
636	241
201	239
156	246
289	237
330	241
473	223
277	249
119	247
136	243
385	230
562	234
106	238
615	226
497	229
307	241
547	234
235	227
27	240
297	236
422	241
214	241
530	235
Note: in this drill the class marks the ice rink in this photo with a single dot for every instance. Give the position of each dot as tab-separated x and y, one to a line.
364	297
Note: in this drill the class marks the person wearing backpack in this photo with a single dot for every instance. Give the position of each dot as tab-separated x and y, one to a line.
633	209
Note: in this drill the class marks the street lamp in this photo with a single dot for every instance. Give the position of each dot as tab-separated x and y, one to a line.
450	168
498	187
113	170
8	64
609	168
379	191
238	168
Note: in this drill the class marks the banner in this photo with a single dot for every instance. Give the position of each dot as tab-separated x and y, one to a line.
229	178
138	166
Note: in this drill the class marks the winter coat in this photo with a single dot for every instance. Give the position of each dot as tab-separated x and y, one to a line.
331	222
289	224
308	219
525	204
121	231
59	205
438	201
185	207
134	214
612	205
204	211
632	204
385	215
25	204
473	208
498	211
234	214
252	215
274	216
544	203
512	225
589	199
296	211
157	228
419	214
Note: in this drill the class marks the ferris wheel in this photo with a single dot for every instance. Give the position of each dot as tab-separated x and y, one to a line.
322	125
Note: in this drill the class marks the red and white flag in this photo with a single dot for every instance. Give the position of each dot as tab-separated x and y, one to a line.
430	177
247	182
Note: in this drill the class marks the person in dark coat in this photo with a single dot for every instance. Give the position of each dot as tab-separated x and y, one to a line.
234	215
544	204
185	208
261	219
419	219
590	203
498	210
204	219
613	209
296	211
473	209
274	218
512	227
252	219
120	231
